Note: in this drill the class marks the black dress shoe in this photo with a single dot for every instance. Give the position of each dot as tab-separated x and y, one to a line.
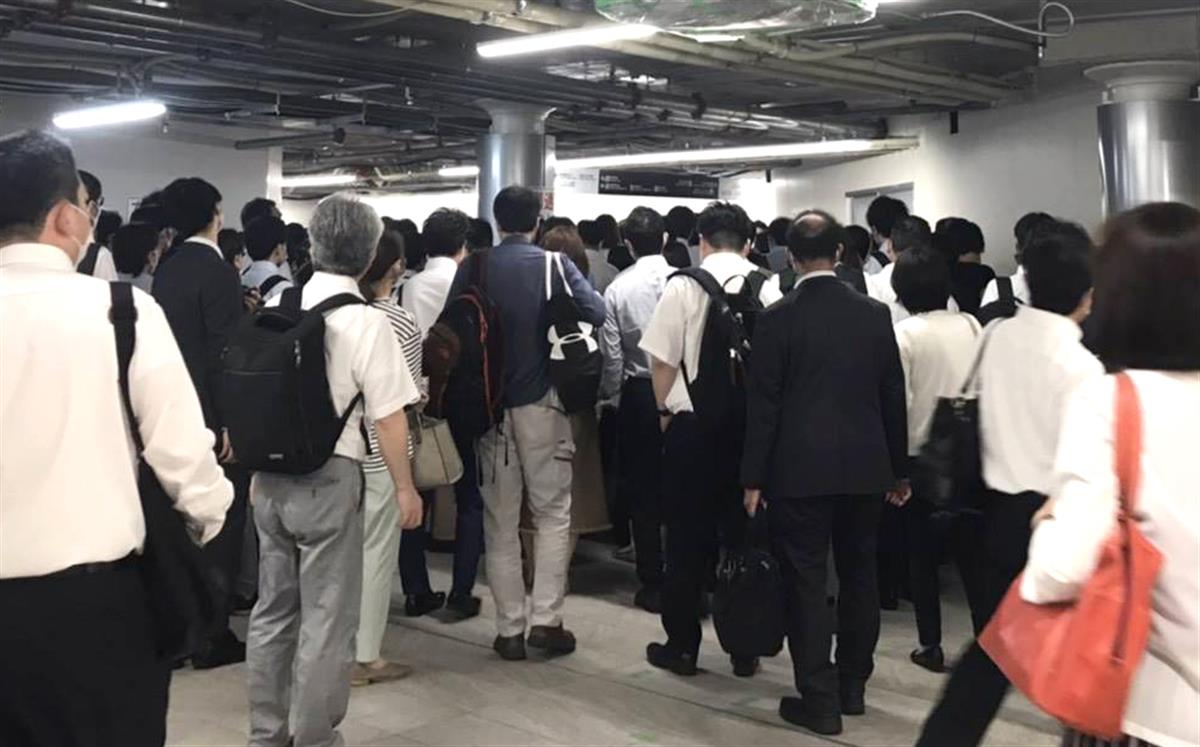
649	600
744	666
853	699
416	605
929	657
510	648
220	651
462	607
797	711
556	640
662	657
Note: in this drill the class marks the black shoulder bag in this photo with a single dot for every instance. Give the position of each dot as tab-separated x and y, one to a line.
182	586
949	469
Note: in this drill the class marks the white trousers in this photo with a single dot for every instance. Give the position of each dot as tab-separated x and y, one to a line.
381	549
531	449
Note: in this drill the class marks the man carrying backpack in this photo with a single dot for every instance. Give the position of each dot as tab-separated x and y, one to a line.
308	508
826	438
530	446
700	400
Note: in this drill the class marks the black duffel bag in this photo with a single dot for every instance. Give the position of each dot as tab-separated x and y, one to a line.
949	470
747	605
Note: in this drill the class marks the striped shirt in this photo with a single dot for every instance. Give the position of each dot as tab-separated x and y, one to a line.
405	327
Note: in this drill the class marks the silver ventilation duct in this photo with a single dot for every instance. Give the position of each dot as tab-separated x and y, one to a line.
517	150
715	16
1149	127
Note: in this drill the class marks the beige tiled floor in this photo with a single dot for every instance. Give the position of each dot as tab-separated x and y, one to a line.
605	694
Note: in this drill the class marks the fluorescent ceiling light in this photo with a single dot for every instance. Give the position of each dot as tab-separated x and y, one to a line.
97	116
451	172
317	180
584	37
774	152
713	37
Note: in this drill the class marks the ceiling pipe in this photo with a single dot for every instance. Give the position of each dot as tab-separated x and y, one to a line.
337	137
569	19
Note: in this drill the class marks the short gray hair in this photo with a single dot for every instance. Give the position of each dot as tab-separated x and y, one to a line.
344	232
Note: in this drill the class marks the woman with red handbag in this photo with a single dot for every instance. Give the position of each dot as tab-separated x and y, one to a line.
1127	449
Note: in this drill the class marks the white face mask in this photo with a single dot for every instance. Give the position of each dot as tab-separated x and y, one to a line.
91	237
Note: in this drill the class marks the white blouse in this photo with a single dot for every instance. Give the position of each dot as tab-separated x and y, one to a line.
1164	705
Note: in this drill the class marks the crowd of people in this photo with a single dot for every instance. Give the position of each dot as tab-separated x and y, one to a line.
787	372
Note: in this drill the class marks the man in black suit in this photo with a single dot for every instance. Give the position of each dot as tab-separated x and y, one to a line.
201	295
826	440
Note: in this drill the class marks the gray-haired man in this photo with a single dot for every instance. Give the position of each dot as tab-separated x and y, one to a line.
310	527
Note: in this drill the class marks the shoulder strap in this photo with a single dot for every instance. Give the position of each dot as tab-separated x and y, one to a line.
88	265
1004	286
787	280
1127	443
704	279
335	302
754	283
123	315
973	377
270	283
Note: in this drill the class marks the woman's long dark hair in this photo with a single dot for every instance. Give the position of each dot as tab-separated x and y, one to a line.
388	252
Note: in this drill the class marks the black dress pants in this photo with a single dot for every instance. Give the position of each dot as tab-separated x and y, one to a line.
77	662
977	687
802	530
225	550
892	554
929	535
702	502
639	450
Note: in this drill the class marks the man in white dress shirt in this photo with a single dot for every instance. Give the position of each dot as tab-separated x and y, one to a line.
1029	368
1026	228
266	243
445	237
701	490
908	233
310	527
79	661
882	216
630	301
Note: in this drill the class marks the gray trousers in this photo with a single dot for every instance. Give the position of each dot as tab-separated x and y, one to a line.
299	647
532	449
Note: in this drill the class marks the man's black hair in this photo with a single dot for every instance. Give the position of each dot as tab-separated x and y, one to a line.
591	234
232	243
884	213
1058	268
257	208
778	230
815	235
644	229
445	232
190	205
517	209
37	170
725	226
106	225
1030	224
150	211
909	233
131	247
858	244
922	279
481	235
681	223
94	189
263	235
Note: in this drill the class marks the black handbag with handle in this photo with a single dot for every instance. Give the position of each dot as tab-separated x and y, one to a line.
183	587
747	605
949	470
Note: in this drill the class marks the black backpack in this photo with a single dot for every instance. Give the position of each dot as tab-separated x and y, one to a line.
464	358
1002	308
270	283
575	361
87	266
718	392
274	389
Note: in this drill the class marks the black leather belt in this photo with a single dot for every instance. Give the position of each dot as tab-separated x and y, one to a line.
83	569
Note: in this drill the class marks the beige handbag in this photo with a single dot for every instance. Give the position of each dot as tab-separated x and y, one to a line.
436	462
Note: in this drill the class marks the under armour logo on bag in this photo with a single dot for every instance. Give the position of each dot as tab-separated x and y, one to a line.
559	342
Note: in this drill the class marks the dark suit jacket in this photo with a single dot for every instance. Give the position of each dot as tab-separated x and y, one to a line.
856	278
201	295
825	396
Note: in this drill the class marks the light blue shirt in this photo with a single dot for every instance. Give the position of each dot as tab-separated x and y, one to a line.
630	301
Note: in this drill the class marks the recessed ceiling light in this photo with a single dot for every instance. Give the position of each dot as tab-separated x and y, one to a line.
584	37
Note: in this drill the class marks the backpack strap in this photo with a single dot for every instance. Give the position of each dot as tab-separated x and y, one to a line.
123	315
334	302
1004	286
787	280
554	260
88	265
704	279
754	283
270	283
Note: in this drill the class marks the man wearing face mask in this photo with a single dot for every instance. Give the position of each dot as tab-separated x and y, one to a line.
96	260
79	663
201	295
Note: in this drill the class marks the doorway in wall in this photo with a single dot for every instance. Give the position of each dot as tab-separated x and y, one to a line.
860	200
